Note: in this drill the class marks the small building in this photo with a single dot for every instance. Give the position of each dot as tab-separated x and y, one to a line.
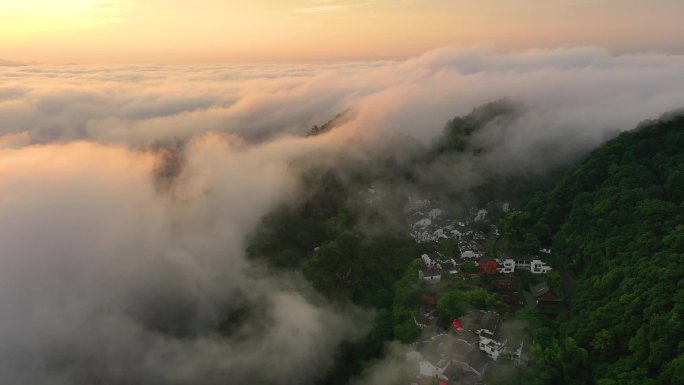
539	267
468	254
513	351
551	303
489	267
506	266
534	292
436	266
434	275
491	347
535	266
541	297
483	323
449	266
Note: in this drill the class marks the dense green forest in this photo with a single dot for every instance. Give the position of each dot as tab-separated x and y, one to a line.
322	236
616	222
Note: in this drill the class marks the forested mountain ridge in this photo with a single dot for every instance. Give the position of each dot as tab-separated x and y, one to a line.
617	222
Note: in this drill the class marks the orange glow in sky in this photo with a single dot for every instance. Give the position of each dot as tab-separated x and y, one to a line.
132	31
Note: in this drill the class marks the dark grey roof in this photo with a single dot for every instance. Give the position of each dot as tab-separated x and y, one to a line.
539	289
468	336
490	320
478	360
530	299
458	374
480	319
432	273
474	362
460	350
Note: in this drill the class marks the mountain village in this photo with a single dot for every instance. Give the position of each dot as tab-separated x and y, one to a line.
461	353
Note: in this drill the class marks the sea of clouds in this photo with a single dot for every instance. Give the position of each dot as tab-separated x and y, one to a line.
107	278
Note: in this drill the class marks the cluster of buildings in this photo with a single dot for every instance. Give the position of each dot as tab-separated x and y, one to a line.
462	357
429	224
535	266
471	245
436	267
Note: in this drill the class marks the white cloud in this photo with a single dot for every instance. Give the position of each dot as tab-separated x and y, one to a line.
95	257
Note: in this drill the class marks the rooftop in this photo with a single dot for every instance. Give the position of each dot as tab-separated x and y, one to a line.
480	320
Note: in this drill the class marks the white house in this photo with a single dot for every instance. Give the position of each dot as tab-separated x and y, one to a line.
449	266
535	266
513	350
539	267
469	254
433	275
509	349
506	266
491	347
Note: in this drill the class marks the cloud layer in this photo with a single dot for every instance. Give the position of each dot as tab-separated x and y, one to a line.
105	278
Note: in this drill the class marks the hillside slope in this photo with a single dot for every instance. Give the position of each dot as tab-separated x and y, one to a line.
617	223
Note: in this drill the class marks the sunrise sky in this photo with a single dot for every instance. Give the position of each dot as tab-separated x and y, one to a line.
181	31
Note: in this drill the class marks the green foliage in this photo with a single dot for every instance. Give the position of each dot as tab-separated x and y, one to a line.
406	299
321	235
484	300
554	280
462	298
674	371
616	221
470	267
452	305
448	247
455	137
562	362
289	234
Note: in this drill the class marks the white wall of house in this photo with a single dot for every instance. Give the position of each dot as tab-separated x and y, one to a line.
507	266
491	347
429	278
535	266
539	267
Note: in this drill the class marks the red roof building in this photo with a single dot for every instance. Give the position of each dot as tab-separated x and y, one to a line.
489	267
